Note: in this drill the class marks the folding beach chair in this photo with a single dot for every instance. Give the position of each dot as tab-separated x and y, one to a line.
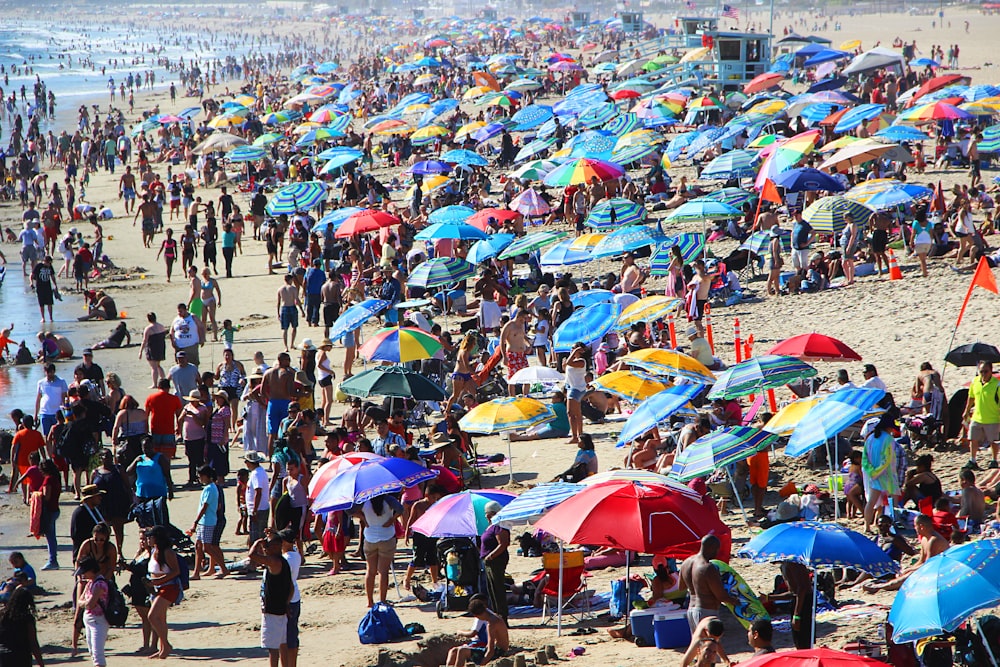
575	596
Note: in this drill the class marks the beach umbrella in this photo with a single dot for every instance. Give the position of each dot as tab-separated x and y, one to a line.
827	214
582	170
806	179
535	170
563	254
460	514
342	154
937	83
815	347
789	416
590	144
630	154
317	134
148	125
532	242
368	479
334	467
648	309
355	316
441	271
698	210
219	141
484	134
630	385
279	117
759	243
268	138
452	214
813	657
466	157
481	218
529	203
616	212
587	241
627	239
645	518
597	115
657	409
524	85
764	81
858	115
718	449
468	129
532	148
334	219
394	381
670	362
513	413
427	134
400	345
823	423
444	230
586	325
427	167
735	197
759	373
246	154
623	124
896	194
734	164
589	297
367	220
946	590
537	375
531	117
784	155
935	111
339	161
856	154
297	197
971	354
535	502
488	248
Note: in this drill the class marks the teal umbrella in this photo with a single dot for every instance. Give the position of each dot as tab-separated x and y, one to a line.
759	373
697	210
297	197
441	271
719	448
616	212
393	381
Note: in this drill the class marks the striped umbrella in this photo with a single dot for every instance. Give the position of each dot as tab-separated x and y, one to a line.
630	154
616	212
734	164
563	254
627	239
400	345
441	271
670	362
535	170
533	148
536	501
355	316
247	154
531	117
586	325
791	415
649	309
646	477
827	214
856	116
529	203
821	423
597	115
297	197
759	373
630	385
466	157
488	248
759	243
367	480
317	134
623	124
531	243
460	514
698	210
692	245
335	466
657	409
513	413
582	170
719	449
427	135
453	214
734	197
334	219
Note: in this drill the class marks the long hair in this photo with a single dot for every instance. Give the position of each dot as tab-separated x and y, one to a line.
158	536
20	607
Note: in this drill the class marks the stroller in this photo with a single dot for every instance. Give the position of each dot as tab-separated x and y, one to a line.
154	513
463	572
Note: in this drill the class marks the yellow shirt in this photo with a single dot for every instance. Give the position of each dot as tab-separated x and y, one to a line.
986	409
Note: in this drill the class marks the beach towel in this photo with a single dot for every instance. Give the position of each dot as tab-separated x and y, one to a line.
35	504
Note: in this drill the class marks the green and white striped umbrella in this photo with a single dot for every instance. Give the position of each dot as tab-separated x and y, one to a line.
297	197
827	214
531	243
616	212
441	271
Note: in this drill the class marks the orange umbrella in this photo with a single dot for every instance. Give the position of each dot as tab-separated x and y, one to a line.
764	81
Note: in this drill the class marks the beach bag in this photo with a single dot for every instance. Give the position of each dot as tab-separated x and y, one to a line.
380	625
116	609
184	574
619	606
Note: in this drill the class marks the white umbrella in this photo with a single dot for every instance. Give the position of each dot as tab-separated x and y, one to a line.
220	141
540	374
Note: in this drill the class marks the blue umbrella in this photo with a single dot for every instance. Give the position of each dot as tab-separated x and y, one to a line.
705	138
368	479
616	212
337	152
633	153
586	325
692	245
533	148
901	133
817	545
488	248
858	115
734	164
892	197
297	197
924	62
355	316
466	157
429	167
593	144
563	254
536	501
832	83
820	425
817	112
486	133
803	179
946	590
826	56
340	161
453	214
627	239
436	109
447	230
597	115
334	219
589	297
656	409
623	124
246	154
531	117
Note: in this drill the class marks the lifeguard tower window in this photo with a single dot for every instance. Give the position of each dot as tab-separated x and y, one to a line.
754	52
729	49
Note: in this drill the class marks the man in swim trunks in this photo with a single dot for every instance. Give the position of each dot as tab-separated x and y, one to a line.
497	639
126	190
704	583
147	211
289	306
278	389
514	347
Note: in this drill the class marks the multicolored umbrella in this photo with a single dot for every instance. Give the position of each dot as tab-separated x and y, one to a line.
784	155
369	479
759	243
670	362
623	124
827	214
513	413
531	243
648	309
691	244
656	410
297	197
719	449
586	325
400	345
759	373
334	467
529	203
441	271
393	381
460	514
582	170
630	385
616	212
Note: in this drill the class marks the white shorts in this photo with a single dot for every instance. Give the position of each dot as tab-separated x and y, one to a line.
800	259
273	630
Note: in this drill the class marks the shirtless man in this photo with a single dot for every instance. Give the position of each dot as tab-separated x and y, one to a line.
514	348
332	300
931	544
424	548
497	639
704	583
928	382
278	389
147	211
289	306
702	283
126	190
631	277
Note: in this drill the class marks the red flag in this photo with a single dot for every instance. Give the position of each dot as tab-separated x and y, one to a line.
937	203
983	277
769	192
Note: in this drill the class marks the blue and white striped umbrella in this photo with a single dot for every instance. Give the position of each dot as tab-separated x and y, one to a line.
447	230
488	248
589	297
759	243
597	115
441	271
335	218
339	124
634	153
623	124
756	374
297	197
453	214
627	239
355	316
718	449
656	409
586	325
533	148
616	212
246	154
814	113
703	209
563	254
692	245
531	117
823	422
859	114
466	157
536	501
734	164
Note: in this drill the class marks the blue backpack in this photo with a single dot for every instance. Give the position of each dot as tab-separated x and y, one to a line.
380	625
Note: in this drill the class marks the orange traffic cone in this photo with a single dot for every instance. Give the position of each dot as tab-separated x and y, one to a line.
894	272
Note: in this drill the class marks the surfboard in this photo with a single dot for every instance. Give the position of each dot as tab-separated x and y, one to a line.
749	608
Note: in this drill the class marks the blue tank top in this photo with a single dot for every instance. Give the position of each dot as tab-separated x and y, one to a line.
149	480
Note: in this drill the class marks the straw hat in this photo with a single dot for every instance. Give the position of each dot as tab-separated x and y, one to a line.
440	441
193	395
253	457
326	342
307	344
692	332
303	379
221	392
90	491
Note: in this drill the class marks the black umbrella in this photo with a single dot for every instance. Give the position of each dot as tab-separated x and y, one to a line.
971	354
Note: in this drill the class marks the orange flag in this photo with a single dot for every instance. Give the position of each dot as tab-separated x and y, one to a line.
983	277
769	192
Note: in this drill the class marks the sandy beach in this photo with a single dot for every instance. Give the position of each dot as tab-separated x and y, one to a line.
894	325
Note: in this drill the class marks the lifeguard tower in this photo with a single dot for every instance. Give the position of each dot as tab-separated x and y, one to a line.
632	22
489	14
418	14
739	57
580	20
688	30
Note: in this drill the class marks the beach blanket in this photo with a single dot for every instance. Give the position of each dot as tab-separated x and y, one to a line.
598	601
35	503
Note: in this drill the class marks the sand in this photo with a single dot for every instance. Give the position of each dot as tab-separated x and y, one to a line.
894	325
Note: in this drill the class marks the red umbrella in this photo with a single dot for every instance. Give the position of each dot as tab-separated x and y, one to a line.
815	347
480	219
834	118
625	94
764	81
646	518
334	466
366	221
937	83
813	657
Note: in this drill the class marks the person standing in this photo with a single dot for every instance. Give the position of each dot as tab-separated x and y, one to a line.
187	333
802	238
154	345
331	298
276	594
205	526
150	474
94	601
289	306
256	496
294	559
50	511
49	398
192	424
495	554
164	574
704	583
314	281
184	376
162	408
43	279
576	388
514	347
277	391
878	464
982	412
378	517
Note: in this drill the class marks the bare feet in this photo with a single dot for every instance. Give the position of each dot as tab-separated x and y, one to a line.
162	655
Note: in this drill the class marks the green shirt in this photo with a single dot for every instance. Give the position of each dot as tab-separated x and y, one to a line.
986	409
561	422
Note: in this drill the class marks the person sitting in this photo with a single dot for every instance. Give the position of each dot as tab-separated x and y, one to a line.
50	349
665	583
931	544
921	483
972	502
100	307
557	428
119	336
497	639
943	517
701	350
725	413
890	541
644	451
584	464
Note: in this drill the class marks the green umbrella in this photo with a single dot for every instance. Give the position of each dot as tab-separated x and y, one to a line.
532	242
268	138
827	214
392	381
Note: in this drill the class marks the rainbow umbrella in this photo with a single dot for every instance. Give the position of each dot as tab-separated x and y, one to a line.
400	345
460	514
936	111
630	385
426	135
441	271
669	362
582	170
586	325
648	309
784	155
616	212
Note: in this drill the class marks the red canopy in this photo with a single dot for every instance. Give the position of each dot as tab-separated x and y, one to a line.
815	347
480	218
813	657
646	518
366	221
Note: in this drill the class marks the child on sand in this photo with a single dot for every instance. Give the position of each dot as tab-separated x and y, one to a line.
705	649
335	540
228	333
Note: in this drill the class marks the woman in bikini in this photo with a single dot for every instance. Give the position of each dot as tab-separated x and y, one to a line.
211	297
461	378
169	251
164	573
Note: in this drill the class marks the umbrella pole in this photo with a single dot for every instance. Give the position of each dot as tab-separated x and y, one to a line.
834	480
559	601
812	643
736	494
510	458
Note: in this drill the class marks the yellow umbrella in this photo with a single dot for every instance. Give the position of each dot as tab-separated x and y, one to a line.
668	362
850	45
837	144
769	107
430	184
416	108
225	121
303	128
630	385
468	129
586	241
245	100
787	418
649	309
476	91
430	131
639	138
696	54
